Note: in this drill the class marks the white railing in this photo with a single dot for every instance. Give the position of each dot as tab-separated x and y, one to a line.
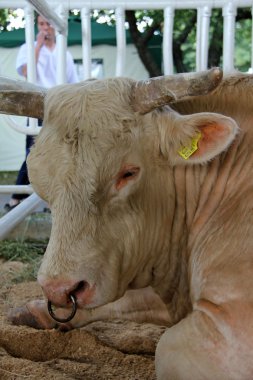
55	11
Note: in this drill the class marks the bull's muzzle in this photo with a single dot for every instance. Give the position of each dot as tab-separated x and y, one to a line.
72	314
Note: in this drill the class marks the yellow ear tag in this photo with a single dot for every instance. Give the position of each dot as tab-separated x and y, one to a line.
187	151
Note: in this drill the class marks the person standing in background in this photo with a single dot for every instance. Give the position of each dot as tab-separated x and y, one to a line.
46	68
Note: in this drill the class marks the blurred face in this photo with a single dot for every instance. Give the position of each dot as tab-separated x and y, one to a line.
46	28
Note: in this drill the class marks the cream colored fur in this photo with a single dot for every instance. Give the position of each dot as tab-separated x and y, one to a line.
182	227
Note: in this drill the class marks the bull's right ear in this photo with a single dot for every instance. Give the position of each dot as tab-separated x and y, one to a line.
21	98
196	138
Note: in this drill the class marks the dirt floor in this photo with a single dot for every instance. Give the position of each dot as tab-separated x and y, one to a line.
102	350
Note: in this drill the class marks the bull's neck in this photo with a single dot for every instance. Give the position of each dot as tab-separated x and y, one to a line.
199	190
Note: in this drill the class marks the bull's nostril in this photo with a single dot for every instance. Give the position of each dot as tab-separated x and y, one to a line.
80	287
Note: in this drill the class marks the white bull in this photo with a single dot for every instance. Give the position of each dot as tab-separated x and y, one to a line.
152	214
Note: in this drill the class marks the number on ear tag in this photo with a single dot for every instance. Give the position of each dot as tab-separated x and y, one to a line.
187	151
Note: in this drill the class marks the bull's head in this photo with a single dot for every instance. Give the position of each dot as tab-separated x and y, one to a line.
104	161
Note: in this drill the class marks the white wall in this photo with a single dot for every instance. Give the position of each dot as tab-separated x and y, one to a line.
12	143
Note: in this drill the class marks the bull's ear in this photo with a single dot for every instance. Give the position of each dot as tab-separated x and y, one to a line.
200	137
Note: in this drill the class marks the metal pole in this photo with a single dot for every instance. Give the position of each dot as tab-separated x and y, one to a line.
229	14
61	46
21	128
168	66
86	42
129	4
205	24
15	216
251	68
17	189
30	37
198	40
121	41
31	64
48	13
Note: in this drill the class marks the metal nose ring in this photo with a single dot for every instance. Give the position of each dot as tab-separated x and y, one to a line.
72	314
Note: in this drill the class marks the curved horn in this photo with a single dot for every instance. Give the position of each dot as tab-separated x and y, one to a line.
157	92
21	98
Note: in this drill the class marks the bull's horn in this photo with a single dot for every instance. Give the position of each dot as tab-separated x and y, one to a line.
21	98
156	92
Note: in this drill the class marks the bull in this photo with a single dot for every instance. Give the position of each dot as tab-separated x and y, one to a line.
150	187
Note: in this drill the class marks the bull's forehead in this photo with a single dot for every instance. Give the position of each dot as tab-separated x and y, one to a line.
85	126
89	105
95	116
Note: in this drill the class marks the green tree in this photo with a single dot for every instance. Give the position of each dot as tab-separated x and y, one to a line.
184	40
4	13
6	18
152	22
243	39
144	24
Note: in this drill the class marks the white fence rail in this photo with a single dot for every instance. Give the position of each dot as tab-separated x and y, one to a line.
56	13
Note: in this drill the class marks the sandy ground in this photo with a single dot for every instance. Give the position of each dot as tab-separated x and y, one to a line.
101	350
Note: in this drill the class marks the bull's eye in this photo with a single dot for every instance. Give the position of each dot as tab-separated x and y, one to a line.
125	175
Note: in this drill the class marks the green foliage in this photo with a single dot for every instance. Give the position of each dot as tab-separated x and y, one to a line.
28	252
24	251
29	273
148	18
3	19
104	16
8	178
184	35
243	45
7	18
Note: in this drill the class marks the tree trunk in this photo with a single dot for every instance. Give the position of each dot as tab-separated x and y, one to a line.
140	40
177	45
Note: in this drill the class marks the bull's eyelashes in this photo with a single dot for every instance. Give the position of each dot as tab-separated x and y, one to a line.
127	174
